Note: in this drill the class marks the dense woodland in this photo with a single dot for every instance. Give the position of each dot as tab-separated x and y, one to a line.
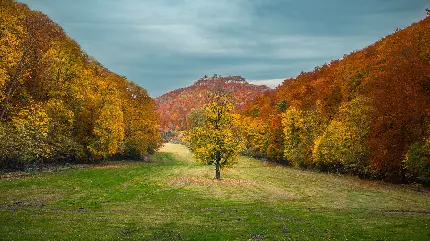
367	114
60	105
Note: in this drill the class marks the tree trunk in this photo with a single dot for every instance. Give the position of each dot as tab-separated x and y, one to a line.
217	165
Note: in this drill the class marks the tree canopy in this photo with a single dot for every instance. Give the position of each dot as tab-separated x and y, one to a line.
214	136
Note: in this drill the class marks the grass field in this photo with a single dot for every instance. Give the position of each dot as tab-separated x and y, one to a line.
174	198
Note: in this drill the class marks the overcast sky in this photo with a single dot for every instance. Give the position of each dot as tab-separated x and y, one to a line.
166	44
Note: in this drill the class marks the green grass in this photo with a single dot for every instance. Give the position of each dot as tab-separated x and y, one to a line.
174	198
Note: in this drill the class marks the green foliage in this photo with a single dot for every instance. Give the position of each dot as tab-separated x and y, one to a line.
417	162
32	127
25	140
282	106
196	118
60	136
10	145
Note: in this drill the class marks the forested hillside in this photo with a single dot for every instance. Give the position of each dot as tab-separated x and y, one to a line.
174	106
367	114
59	104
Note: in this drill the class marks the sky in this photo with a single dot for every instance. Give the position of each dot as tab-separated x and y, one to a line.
163	45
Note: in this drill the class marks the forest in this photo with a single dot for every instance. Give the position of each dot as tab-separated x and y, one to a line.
367	114
60	105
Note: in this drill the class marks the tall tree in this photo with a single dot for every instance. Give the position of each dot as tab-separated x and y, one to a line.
217	139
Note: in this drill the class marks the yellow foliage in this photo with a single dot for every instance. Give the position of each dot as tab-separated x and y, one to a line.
108	130
343	142
32	126
257	135
220	133
300	129
58	103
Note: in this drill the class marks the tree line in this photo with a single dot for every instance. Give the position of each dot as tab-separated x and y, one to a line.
57	104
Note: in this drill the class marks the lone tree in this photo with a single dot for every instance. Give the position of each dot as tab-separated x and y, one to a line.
214	136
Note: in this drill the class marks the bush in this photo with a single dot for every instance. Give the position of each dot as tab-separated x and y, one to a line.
417	162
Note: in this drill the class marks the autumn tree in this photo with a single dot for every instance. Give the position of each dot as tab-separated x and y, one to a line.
142	136
215	137
342	146
300	129
15	48
256	133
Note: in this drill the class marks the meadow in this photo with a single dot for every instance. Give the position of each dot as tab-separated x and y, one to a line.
172	197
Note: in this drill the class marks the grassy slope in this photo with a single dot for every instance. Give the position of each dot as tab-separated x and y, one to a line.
173	198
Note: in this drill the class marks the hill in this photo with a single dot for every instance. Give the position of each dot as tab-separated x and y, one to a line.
57	104
174	106
367	113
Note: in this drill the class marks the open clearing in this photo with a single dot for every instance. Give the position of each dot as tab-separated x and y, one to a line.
174	198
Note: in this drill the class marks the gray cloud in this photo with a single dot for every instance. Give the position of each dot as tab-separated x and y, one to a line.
167	44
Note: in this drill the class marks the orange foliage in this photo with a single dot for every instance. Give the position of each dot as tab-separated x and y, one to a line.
393	74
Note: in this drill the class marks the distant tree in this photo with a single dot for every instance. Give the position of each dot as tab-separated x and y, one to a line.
215	138
282	106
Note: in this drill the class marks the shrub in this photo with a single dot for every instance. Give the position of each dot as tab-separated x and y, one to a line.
417	162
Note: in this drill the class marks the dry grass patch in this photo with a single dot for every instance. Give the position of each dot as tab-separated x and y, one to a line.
107	167
185	181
